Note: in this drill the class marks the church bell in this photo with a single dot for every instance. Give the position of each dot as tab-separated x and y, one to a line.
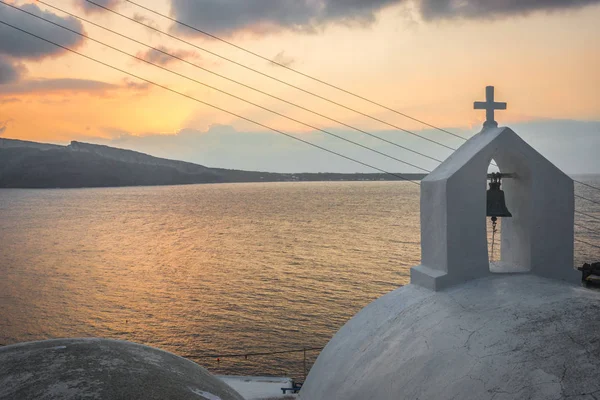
496	205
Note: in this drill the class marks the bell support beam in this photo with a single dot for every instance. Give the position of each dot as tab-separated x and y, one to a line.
508	176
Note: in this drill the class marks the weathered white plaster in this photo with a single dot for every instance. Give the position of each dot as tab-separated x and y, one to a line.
502	337
539	236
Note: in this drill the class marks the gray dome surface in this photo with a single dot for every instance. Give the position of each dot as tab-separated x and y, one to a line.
502	337
103	369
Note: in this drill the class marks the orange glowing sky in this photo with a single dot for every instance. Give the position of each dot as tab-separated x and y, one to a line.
544	64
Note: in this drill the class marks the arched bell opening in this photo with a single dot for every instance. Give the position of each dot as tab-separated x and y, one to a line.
508	196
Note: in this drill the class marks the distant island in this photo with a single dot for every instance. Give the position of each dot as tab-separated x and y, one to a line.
26	164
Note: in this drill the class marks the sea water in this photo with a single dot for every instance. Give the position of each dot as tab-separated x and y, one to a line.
211	270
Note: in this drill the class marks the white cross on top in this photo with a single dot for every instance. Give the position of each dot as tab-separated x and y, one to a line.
490	106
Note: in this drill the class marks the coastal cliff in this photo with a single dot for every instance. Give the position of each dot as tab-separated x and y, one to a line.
38	165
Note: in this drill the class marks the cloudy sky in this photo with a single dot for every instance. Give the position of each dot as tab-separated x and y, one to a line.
426	58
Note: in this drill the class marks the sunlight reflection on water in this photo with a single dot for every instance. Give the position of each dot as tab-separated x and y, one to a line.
206	269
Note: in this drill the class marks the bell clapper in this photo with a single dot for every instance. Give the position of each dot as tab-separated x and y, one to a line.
494	230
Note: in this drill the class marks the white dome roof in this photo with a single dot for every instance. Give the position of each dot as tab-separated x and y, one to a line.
73	369
500	337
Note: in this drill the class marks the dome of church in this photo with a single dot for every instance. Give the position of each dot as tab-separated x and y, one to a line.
103	369
515	336
461	330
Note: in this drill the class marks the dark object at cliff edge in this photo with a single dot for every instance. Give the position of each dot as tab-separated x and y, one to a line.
590	273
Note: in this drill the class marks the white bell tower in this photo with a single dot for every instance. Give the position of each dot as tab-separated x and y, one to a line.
538	239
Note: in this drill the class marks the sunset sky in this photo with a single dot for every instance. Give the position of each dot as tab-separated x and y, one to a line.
427	58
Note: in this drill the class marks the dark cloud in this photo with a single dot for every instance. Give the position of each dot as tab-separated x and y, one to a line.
360	10
137	86
10	71
159	58
3	126
90	8
145	20
48	86
9	100
284	59
225	17
56	85
446	9
18	44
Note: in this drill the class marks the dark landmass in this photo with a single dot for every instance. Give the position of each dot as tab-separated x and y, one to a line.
38	165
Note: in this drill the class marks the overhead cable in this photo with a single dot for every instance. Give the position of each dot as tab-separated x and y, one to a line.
176	57
588	185
218	90
222	109
585	198
285	66
270	76
246	355
589	244
158	66
587	228
587	215
205	103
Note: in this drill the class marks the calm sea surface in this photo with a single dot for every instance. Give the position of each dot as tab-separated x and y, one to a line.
211	269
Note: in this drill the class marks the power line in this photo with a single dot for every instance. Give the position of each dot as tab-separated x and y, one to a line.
150	27
217	108
589	244
246	355
585	198
588	185
588	228
219	90
587	215
229	79
295	71
309	77
208	104
271	77
288	67
222	91
238	116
